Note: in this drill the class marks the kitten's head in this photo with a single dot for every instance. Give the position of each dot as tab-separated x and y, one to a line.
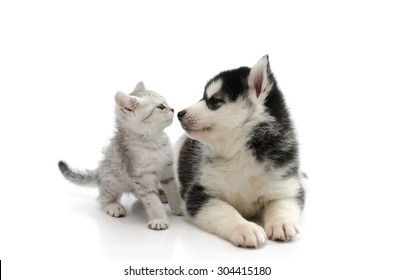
143	110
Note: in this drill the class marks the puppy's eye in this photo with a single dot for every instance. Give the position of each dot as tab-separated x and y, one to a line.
218	101
161	107
215	103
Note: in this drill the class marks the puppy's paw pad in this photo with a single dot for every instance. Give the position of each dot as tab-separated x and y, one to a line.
248	235
158	224
115	210
284	231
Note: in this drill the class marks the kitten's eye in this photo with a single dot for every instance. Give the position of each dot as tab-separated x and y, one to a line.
161	107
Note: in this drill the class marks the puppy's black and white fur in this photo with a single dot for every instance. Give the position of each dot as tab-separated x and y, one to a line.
239	159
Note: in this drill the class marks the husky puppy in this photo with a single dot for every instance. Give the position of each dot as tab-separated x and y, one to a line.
239	159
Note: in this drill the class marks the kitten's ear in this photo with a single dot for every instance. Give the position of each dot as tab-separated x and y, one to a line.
126	102
139	87
260	77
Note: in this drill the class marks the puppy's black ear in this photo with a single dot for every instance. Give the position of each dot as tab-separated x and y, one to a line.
259	79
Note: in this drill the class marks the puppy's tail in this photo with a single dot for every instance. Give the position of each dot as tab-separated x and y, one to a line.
79	177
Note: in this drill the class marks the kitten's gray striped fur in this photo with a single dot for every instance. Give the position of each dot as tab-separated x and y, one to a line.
139	159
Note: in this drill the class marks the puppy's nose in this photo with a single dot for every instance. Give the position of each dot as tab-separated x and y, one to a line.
181	114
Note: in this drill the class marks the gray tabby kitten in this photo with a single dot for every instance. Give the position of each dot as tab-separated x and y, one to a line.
139	159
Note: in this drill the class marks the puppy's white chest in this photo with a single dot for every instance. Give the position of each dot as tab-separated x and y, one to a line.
239	181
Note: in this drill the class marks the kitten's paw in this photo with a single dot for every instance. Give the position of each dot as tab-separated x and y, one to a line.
158	224
248	235
115	210
284	231
177	211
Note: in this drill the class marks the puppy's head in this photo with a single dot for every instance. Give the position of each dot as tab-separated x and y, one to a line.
231	100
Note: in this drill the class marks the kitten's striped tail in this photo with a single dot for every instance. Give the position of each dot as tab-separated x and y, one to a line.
80	177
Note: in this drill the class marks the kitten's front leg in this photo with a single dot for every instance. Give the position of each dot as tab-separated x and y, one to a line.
148	194
168	183
162	195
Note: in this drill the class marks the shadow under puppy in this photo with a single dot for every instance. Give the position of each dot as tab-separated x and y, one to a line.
139	159
239	159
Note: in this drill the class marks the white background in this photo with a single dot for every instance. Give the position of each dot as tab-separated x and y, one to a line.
61	64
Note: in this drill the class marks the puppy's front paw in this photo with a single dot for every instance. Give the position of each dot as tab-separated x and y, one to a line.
249	235
158	224
115	210
284	231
